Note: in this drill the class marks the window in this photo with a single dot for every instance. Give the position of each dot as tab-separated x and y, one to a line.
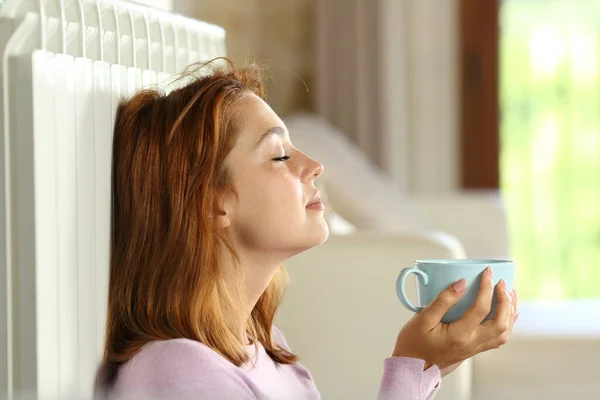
548	137
550	143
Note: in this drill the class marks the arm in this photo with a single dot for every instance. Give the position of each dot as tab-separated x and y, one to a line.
404	378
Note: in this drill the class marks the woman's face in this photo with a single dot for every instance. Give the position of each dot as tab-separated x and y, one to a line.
275	187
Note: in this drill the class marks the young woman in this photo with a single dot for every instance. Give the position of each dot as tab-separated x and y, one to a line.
209	199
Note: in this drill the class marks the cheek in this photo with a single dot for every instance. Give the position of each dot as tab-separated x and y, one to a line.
272	197
271	187
287	191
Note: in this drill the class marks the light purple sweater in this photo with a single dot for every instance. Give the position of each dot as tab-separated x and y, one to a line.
186	369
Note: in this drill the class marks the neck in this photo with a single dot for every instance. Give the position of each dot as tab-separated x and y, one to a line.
258	270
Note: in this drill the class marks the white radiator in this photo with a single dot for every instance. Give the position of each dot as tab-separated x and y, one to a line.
65	66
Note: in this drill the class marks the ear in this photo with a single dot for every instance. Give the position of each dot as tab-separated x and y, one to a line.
222	211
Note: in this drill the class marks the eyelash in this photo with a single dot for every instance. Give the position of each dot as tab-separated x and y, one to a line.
281	159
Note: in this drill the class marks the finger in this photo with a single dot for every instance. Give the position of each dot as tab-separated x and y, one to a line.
498	340
434	312
493	343
504	318
481	308
514	312
516	305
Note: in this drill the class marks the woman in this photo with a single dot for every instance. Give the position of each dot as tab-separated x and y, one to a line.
209	199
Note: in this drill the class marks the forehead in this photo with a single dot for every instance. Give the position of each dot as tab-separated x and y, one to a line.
256	116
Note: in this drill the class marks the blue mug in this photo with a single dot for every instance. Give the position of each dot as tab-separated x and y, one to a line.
434	276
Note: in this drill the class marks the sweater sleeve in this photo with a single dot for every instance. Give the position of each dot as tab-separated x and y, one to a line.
404	378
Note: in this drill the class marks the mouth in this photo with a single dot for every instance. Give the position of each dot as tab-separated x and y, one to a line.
316	203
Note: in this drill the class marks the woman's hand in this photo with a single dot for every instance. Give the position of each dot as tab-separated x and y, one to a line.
515	299
445	345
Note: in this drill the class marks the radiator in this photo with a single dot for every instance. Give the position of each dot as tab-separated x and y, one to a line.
65	66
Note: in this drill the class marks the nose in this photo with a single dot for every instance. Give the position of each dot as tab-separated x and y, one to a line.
313	170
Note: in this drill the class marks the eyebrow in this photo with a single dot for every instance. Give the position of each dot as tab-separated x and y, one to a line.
276	130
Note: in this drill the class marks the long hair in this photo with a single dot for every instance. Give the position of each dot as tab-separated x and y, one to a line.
167	173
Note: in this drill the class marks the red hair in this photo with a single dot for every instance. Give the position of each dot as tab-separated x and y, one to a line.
167	172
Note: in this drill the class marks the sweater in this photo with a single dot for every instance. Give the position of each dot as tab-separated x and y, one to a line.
186	369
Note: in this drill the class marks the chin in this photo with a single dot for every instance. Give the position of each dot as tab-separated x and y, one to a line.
318	235
325	234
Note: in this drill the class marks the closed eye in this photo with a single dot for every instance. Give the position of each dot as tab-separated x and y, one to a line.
280	159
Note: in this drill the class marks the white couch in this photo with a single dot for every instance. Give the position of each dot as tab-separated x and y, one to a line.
477	218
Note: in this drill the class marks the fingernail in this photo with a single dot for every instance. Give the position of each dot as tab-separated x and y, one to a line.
516	317
489	273
503	285
460	286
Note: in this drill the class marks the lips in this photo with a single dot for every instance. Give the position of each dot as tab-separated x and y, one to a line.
315	203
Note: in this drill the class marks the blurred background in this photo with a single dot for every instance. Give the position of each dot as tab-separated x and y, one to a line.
453	97
483	117
449	129
474	118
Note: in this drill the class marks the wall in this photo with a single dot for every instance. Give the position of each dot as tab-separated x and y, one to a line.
279	33
387	76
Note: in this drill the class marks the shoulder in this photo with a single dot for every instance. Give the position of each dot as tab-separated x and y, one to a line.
182	368
279	338
178	351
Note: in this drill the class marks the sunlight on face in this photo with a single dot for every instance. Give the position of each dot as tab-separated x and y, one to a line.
275	184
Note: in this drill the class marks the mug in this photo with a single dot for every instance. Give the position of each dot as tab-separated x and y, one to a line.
434	276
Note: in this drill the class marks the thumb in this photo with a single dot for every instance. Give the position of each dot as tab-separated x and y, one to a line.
444	302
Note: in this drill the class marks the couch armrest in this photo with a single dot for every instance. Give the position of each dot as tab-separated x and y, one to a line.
477	218
341	314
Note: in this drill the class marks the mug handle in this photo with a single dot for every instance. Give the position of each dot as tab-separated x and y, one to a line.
401	280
